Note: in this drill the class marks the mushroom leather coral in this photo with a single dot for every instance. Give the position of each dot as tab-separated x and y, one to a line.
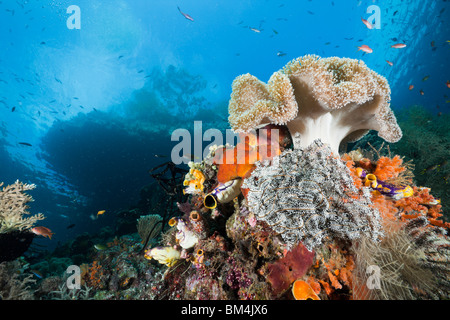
332	99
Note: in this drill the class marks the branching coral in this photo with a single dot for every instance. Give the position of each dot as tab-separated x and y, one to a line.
13	207
14	286
64	293
332	99
309	195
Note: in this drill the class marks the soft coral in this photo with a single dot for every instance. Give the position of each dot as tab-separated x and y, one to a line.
388	168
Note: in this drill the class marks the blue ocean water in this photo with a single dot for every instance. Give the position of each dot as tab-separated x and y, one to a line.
95	106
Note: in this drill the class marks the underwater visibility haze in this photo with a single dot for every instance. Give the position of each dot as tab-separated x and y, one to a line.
114	116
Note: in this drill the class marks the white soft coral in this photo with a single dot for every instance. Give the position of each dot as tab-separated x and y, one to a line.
331	99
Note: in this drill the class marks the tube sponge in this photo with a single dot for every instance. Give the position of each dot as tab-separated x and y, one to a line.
332	99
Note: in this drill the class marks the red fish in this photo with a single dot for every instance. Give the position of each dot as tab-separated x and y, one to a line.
398	45
421	92
448	84
411	87
365	48
389	63
367	23
43	231
185	15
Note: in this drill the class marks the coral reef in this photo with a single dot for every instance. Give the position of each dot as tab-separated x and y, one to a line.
16	229
13	207
120	272
52	266
298	222
252	101
13	284
303	222
426	144
62	292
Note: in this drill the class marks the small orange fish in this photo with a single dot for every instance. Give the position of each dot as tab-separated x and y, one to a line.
448	84
411	87
421	92
389	63
398	45
42	231
101	212
365	48
367	23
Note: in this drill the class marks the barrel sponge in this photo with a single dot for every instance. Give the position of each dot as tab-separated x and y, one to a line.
332	99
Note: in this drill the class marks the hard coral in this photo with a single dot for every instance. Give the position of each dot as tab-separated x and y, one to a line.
332	99
13	207
13	284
